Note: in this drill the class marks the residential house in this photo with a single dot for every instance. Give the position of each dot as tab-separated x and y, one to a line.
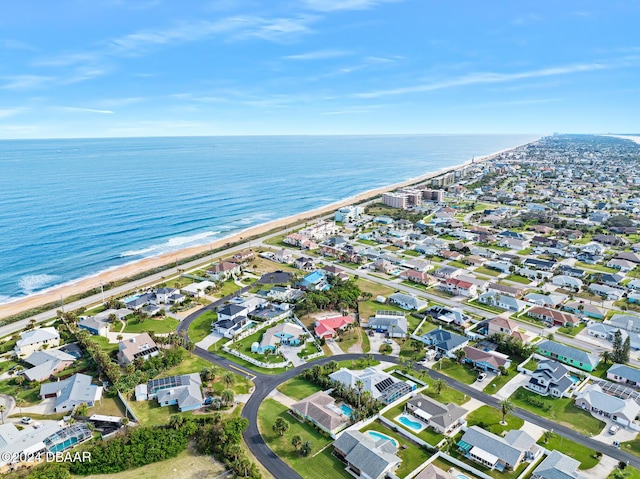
514	243
612	294
449	315
35	339
568	355
553	317
316	281
95	326
486	360
168	296
621	373
458	287
197	290
621	264
445	419
383	265
503	326
567	281
305	264
418	277
433	472
282	256
513	291
593	398
502	266
394	323
497	452
334	272
550	379
503	301
627	322
586	309
447	272
546	300
295	239
224	270
183	391
286	333
285	294
417	265
328	327
140	346
382	386
444	342
540	264
321	410
71	392
138	302
407	301
558	466
366	457
47	363
243	256
611	240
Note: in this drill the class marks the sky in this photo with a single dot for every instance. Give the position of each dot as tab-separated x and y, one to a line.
113	68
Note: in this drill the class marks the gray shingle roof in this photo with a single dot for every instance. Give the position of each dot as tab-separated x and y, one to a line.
627	372
493	444
372	457
557	466
568	352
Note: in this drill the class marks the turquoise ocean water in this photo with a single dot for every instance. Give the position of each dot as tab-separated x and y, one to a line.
73	208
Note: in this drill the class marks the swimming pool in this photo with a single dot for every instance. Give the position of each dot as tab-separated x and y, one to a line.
133	297
410	422
461	476
375	435
250	324
575	379
346	410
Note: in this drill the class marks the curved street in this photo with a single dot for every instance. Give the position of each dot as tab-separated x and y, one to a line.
265	383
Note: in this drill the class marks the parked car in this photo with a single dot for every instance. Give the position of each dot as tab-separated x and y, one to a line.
387	341
616	444
613	429
26	420
482	377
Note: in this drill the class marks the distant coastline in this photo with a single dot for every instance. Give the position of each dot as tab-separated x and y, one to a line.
74	287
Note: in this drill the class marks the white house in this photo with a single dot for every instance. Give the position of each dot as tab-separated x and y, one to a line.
36	339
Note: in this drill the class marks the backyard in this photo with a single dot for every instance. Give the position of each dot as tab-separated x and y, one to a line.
320	464
571	449
298	388
488	418
428	435
156	325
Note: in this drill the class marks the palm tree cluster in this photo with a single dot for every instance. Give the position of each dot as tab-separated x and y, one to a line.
342	296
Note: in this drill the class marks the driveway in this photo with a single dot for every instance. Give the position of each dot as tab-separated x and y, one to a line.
508	389
623	434
480	385
281	398
209	340
45	407
377	340
333	346
9	402
291	354
602	469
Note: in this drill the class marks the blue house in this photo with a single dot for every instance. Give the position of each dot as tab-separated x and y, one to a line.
183	391
316	281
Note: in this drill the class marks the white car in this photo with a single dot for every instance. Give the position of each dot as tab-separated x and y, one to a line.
26	420
387	341
481	377
613	429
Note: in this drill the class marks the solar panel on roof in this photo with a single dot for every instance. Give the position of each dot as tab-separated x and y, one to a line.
384	384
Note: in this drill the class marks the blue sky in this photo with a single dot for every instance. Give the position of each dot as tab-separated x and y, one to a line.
89	68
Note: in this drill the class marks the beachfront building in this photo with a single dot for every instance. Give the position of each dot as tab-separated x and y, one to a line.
224	270
139	347
348	213
36	339
316	281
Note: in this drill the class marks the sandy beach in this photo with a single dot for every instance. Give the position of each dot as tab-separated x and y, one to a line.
54	294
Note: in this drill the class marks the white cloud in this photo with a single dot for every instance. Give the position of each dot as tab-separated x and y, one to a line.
7	112
337	5
75	109
25	82
489	78
318	55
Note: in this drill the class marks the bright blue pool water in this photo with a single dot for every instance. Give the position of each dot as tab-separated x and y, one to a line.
575	379
346	410
130	298
378	435
405	421
461	476
250	324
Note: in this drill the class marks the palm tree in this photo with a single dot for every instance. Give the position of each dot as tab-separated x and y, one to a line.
226	396
547	435
228	379
19	402
460	355
3	409
439	385
506	407
281	426
296	441
606	356
359	388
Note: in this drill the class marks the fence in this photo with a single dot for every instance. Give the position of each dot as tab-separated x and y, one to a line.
127	407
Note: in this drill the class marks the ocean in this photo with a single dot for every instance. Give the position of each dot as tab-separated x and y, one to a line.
74	207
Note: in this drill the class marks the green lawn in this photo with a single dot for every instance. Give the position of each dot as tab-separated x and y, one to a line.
109	406
412	455
323	465
192	364
562	411
246	365
104	343
427	435
486	307
298	388
596	267
166	325
446	465
486	271
572	449
489	418
410	252
572	331
201	326
369	308
632	446
629	473
457	264
456	370
500	380
228	287
518	279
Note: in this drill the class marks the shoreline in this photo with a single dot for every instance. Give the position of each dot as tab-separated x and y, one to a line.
86	283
